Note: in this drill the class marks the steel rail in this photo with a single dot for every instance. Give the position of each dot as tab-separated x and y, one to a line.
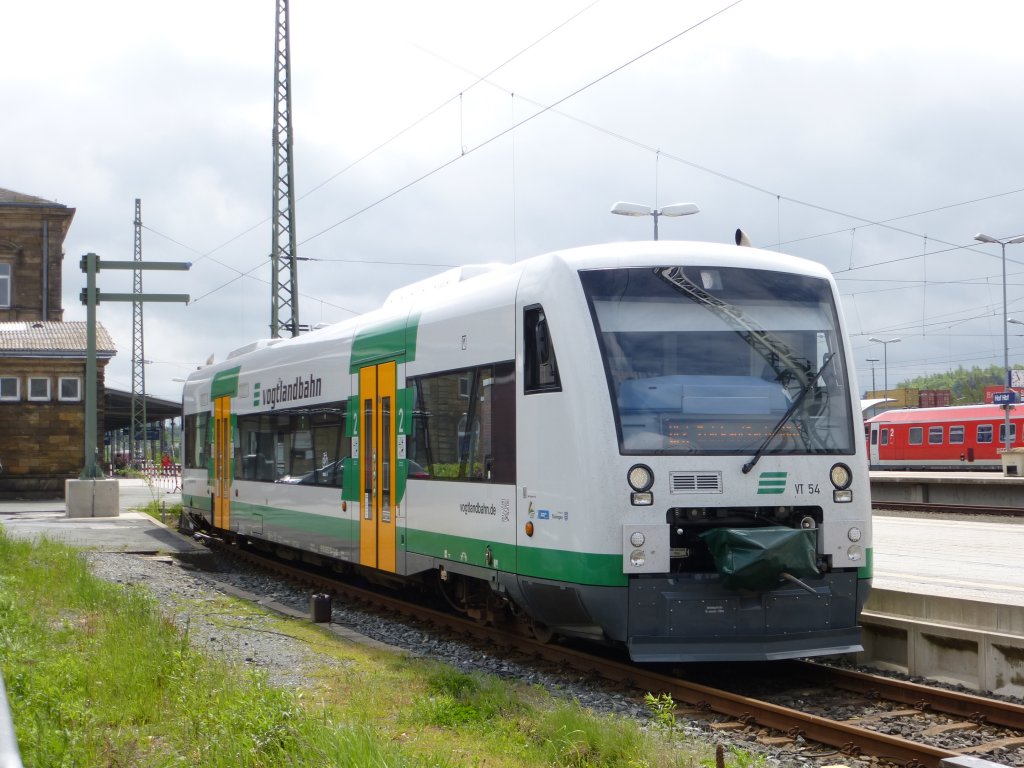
976	709
961	509
849	739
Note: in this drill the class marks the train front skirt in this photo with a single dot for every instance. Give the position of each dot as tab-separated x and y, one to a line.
698	618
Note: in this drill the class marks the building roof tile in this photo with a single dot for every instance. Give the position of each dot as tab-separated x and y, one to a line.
10	197
65	339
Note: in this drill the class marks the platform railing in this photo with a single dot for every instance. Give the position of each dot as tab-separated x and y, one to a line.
10	757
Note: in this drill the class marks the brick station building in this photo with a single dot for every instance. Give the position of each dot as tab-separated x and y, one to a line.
42	358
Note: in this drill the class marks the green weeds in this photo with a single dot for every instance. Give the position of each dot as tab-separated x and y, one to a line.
97	675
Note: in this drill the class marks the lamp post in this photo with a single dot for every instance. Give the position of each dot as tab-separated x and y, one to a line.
982	238
873	360
885	361
636	209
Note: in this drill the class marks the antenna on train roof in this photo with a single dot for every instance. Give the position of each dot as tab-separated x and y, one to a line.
741	238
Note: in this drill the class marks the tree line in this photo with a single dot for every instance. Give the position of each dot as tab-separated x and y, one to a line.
965	385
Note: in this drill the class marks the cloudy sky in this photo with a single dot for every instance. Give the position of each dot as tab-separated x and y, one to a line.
875	137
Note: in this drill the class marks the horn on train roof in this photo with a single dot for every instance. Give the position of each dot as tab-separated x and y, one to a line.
741	238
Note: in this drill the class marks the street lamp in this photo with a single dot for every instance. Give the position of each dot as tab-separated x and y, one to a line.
635	209
873	360
885	361
1006	341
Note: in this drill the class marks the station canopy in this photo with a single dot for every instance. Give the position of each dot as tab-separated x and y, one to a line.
118	410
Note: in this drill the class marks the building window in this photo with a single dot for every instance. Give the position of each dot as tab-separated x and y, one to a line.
38	388
5	286
10	388
70	389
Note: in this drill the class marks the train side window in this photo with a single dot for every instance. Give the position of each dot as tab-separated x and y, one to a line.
465	424
540	369
1002	433
935	435
916	436
885	436
196	449
956	435
984	433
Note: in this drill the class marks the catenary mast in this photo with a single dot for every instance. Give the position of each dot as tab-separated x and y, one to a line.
284	309
138	425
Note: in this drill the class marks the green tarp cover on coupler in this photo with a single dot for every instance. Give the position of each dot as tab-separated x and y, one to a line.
754	558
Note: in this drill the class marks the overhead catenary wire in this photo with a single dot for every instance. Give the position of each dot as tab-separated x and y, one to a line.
667	155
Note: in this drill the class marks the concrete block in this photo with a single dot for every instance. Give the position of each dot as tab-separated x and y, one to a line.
92	498
966	761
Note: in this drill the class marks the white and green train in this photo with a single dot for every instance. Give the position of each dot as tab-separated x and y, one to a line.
656	444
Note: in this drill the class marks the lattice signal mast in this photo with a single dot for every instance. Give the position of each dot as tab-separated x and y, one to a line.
284	308
138	425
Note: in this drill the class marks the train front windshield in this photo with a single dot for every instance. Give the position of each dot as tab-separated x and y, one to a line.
721	360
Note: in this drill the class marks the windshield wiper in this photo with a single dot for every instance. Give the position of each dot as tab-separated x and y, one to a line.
776	352
788	414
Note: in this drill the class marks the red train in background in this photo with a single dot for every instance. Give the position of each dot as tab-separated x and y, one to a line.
954	437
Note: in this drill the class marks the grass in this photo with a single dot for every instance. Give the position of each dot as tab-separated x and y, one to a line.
167	514
97	675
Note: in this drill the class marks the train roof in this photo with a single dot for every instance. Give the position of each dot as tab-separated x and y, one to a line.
944	414
439	288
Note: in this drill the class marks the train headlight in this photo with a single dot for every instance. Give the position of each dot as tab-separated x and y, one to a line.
855	553
642	499
840	476
637	558
853	534
637	539
842	497
640	478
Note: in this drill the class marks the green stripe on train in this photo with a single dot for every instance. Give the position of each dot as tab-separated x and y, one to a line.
555	564
344	530
392	340
225	383
867	570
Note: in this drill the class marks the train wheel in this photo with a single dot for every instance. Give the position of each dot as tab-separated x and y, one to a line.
542	633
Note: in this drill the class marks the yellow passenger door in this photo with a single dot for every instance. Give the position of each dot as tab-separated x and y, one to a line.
222	463
377	466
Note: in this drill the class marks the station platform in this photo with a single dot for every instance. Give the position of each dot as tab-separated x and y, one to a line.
129	531
979	487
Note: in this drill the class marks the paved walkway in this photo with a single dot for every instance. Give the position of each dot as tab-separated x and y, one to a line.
130	531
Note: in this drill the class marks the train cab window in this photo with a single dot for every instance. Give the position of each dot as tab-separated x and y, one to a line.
916	436
935	435
956	434
540	369
984	433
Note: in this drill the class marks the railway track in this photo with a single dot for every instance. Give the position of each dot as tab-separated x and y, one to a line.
961	509
874	700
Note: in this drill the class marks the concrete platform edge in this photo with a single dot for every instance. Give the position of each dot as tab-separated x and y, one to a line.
978	645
